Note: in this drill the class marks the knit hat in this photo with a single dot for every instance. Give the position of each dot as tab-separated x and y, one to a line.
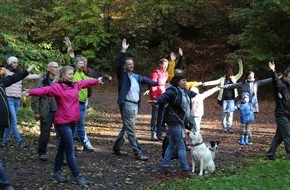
11	60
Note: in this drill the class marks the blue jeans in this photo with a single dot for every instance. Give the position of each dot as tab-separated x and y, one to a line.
66	146
3	177
128	112
227	118
176	139
14	104
80	128
157	114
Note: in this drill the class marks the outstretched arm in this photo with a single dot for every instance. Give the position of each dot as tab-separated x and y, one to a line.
17	76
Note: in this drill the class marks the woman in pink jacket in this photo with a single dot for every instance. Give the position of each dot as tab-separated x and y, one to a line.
65	92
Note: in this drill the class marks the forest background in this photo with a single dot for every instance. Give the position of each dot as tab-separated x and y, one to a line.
209	31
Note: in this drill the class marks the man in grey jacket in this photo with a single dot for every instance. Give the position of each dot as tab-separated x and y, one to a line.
44	109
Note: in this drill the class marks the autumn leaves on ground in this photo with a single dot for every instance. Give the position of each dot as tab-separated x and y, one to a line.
107	171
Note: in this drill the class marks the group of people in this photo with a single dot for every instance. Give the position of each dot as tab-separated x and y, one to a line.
60	98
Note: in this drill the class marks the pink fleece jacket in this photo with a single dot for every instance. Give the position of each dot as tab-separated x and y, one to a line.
66	97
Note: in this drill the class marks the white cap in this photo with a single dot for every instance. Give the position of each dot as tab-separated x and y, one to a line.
11	60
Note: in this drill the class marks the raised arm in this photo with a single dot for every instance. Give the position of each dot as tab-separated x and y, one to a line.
180	61
240	73
171	67
122	58
69	47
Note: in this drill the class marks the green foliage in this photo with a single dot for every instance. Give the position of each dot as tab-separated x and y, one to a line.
264	34
251	174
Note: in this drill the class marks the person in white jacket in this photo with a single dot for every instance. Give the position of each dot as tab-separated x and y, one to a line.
197	109
227	97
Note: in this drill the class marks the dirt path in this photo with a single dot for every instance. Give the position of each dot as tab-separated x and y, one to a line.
106	171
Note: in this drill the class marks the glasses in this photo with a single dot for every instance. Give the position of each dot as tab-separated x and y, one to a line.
55	67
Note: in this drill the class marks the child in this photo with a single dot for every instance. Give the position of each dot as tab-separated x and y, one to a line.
197	109
246	116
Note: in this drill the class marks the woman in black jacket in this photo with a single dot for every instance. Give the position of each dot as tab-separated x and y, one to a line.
178	112
5	116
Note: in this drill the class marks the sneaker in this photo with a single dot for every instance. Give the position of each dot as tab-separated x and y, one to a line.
141	157
43	157
166	170
8	188
89	148
225	130
154	137
160	138
120	153
57	176
81	180
21	144
6	144
230	130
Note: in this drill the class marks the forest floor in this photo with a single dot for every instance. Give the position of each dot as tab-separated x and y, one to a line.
107	171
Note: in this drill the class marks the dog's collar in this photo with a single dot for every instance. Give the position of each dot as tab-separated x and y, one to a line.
197	144
211	149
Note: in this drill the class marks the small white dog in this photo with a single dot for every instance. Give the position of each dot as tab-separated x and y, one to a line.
200	154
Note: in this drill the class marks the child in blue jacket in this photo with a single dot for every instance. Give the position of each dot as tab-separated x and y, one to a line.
246	117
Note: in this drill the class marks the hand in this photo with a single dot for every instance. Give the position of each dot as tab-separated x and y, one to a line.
25	93
67	42
180	51
240	62
124	45
146	92
110	78
100	79
172	56
272	66
37	117
62	62
152	102
30	68
199	83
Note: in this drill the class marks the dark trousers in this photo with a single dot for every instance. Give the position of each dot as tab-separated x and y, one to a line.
282	134
45	127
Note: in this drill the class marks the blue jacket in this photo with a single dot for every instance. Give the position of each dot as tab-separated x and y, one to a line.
246	111
173	96
124	83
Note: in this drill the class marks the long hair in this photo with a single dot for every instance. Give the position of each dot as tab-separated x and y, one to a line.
60	72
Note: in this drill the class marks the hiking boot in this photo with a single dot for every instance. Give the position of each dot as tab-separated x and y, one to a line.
120	153
21	144
81	180
89	148
141	157
43	157
57	176
8	188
